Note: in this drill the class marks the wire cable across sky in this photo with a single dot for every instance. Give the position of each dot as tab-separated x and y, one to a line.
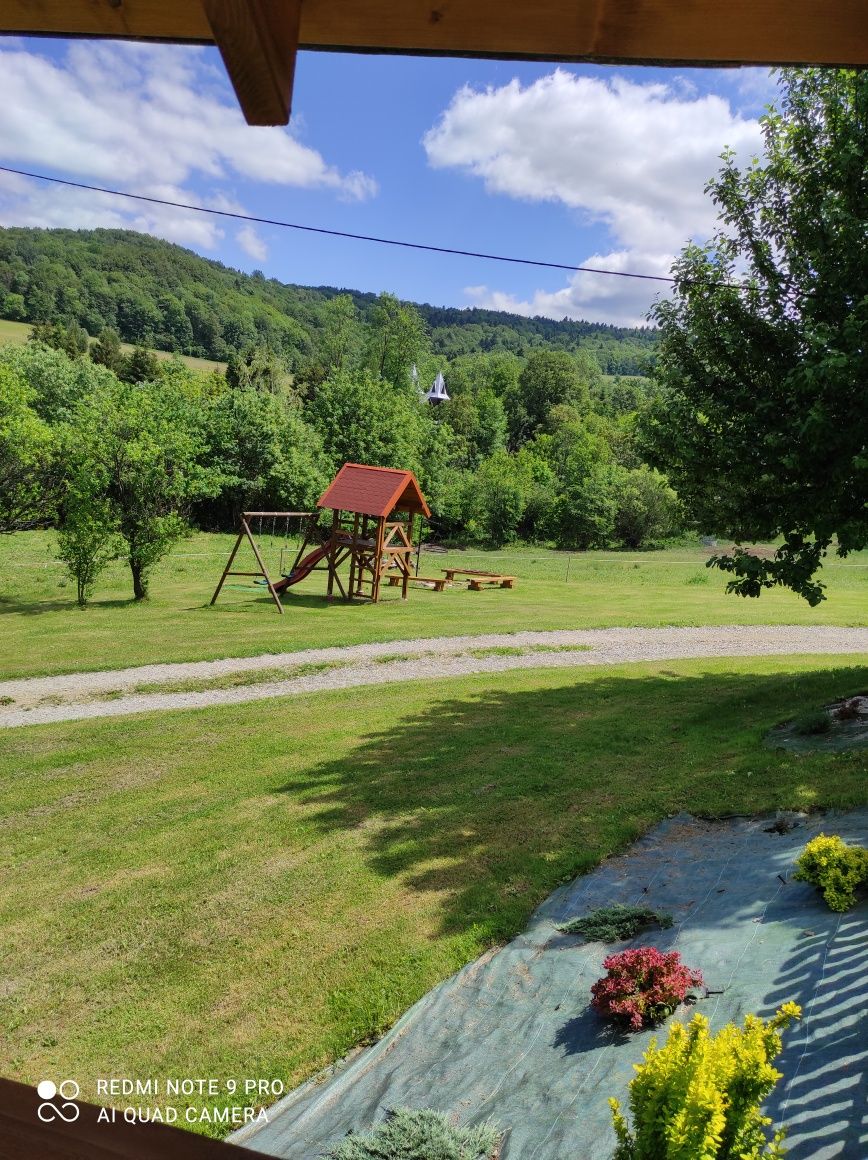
244	217
424	246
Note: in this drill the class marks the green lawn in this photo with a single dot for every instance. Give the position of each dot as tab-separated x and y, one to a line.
243	891
17	333
44	632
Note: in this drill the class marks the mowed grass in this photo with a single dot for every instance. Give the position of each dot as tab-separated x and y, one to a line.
18	333
43	632
249	892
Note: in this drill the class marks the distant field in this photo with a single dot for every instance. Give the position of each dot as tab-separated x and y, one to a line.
17	333
43	631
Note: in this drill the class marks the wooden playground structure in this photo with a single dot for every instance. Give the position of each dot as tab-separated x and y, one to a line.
373	516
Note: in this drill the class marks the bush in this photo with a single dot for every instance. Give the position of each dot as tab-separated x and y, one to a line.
648	509
28	474
700	1095
584	513
86	544
615	923
499	500
419	1135
834	868
812	724
643	985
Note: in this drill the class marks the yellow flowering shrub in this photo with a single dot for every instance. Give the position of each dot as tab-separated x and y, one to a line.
833	866
698	1097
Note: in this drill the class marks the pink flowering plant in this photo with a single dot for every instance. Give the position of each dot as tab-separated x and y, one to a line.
643	986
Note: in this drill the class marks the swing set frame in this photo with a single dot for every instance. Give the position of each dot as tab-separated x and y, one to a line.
245	532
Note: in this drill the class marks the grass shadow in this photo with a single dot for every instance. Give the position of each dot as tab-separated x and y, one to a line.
10	604
292	600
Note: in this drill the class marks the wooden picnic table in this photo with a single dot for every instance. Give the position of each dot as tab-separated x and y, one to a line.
479	579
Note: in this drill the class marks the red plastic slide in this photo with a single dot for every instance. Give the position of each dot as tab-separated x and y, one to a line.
305	567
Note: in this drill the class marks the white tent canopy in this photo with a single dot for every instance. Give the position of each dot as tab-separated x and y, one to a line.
438	394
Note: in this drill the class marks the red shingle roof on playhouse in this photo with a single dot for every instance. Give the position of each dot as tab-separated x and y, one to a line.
373	491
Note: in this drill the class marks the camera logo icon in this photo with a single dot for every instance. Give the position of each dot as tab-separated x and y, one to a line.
67	1091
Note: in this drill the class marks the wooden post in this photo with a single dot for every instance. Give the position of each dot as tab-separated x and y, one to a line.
332	556
258	40
364	555
378	561
405	582
263	571
419	546
232	555
355	568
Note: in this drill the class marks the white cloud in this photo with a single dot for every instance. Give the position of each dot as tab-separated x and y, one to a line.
592	297
633	158
754	87
24	202
252	244
148	118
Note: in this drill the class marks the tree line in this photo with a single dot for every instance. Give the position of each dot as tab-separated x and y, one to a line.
159	295
122	453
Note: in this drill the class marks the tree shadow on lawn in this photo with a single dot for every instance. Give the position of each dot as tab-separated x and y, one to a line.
13	604
493	799
256	602
513	1037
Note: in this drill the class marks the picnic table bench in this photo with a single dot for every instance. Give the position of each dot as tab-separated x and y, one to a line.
438	582
477	579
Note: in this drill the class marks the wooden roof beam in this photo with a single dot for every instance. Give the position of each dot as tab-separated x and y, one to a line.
831	32
258	40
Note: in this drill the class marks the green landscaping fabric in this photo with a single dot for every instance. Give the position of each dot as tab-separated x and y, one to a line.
512	1038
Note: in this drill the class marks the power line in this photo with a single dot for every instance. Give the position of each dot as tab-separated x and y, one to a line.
225	213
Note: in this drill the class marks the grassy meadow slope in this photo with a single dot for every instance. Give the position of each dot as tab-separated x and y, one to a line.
17	333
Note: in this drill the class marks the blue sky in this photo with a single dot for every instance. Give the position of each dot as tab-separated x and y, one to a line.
576	164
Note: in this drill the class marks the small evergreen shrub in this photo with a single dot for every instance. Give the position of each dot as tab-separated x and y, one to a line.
812	724
643	985
615	923
407	1134
698	1097
835	868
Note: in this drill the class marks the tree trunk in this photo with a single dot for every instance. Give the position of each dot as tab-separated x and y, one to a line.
140	590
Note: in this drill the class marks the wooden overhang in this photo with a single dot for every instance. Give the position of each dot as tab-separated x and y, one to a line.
258	39
374	491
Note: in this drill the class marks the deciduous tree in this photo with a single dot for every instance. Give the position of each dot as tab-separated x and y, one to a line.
28	474
761	423
144	447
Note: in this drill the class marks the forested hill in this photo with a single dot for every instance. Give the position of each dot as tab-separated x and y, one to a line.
160	295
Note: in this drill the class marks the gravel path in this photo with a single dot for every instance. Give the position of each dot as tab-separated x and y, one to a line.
40	700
